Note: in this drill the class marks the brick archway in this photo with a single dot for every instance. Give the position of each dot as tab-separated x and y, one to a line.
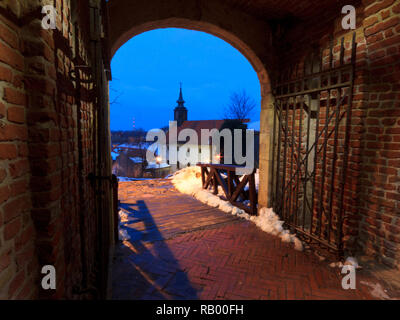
129	19
55	198
242	47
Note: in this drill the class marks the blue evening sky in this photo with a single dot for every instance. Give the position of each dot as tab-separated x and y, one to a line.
147	71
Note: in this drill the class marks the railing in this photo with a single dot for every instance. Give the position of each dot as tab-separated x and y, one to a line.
234	186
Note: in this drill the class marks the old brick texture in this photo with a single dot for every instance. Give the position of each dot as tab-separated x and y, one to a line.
49	124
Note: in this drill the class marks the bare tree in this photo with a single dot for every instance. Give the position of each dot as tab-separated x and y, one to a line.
117	92
116	99
240	106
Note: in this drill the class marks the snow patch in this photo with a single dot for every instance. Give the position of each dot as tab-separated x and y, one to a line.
377	290
123	219
153	165
123	235
125	179
114	155
350	261
136	159
188	181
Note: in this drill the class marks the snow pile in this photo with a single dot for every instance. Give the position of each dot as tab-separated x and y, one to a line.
269	222
123	219
377	291
125	179
114	155
257	179
188	181
350	261
153	165
123	235
338	264
136	159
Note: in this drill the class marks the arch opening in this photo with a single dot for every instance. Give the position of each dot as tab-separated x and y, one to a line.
259	61
209	28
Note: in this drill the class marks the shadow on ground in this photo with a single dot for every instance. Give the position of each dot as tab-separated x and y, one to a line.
144	267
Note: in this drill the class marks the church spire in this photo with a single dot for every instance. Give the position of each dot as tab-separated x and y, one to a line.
180	112
180	101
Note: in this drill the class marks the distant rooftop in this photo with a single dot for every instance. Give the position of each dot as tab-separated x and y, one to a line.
198	125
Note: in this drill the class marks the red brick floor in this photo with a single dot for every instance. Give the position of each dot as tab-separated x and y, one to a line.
183	249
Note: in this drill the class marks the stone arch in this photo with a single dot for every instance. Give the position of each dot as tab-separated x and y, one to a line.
249	35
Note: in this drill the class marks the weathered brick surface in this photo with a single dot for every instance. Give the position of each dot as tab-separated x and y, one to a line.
204	253
47	132
379	204
15	201
372	183
40	203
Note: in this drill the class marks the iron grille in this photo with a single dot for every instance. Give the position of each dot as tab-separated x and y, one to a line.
311	144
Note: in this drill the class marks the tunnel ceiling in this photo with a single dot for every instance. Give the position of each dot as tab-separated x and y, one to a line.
301	10
277	10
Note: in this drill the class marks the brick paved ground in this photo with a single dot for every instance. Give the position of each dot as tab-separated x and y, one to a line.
183	249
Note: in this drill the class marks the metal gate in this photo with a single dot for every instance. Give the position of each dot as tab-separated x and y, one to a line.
311	144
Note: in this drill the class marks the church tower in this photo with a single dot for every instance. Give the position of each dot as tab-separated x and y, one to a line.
180	112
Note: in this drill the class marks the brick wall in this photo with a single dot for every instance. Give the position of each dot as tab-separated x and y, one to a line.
18	263
379	207
48	133
372	183
46	152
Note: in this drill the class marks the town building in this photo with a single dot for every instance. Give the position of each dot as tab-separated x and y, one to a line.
206	152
